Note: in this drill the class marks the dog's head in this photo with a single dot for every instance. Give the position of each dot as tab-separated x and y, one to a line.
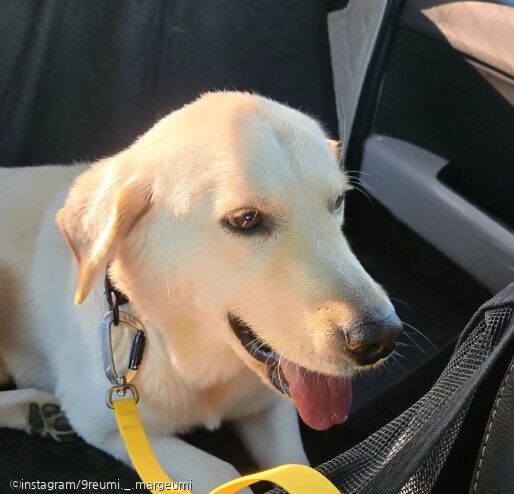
231	209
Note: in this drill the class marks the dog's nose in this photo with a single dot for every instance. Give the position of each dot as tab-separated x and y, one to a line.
373	338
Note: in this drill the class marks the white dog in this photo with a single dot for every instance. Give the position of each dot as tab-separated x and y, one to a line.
222	227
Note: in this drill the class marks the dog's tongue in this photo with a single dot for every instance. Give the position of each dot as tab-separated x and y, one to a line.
322	401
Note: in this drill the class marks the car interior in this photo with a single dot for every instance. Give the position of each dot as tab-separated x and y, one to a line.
421	95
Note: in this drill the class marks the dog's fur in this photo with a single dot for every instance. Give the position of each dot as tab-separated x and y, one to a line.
155	212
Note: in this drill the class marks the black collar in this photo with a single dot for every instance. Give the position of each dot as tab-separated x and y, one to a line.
114	297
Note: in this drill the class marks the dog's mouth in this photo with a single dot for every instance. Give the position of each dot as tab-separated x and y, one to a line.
321	400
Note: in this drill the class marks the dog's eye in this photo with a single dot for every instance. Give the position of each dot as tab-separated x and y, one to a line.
247	219
338	204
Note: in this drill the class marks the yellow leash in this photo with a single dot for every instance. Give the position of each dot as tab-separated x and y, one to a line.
295	479
138	446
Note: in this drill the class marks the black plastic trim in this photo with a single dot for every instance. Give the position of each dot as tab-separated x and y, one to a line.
370	91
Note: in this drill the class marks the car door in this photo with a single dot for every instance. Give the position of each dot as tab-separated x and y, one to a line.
430	124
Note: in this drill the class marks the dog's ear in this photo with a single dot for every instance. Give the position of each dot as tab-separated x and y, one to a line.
100	211
336	148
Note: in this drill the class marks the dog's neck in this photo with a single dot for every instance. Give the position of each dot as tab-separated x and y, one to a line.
181	362
183	336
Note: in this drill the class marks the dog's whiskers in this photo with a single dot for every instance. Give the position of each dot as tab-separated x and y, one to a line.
298	366
362	191
357	180
393	356
251	350
356	171
421	334
399	343
416	344
280	373
401	302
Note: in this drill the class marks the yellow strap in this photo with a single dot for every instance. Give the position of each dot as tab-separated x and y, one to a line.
295	479
138	447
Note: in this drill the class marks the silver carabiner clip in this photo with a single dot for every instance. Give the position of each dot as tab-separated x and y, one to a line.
117	379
